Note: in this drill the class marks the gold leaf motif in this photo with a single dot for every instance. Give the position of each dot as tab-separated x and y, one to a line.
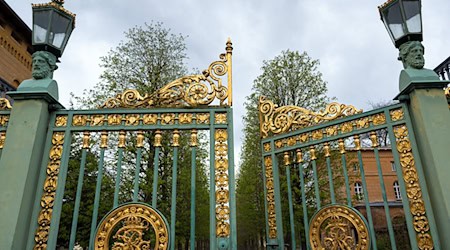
303	137
61	121
413	189
185	118
167	119
2	139
97	120
279	144
378	119
4	120
187	91
79	120
338	225
267	147
270	197
291	141
346	127
331	131
5	104
135	221
202	118
132	120
48	197
396	114
114	119
276	120
221	118
150	119
317	135
362	123
221	183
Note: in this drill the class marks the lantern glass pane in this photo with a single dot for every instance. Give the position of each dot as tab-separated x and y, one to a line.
58	31
412	15
40	25
394	20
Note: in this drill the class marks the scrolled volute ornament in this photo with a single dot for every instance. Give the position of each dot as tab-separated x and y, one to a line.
5	104
276	120
187	91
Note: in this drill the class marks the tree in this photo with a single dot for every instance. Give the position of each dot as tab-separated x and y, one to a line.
149	58
291	78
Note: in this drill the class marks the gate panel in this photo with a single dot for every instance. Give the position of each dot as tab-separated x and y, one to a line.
339	160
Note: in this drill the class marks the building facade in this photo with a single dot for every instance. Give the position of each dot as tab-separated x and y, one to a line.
15	49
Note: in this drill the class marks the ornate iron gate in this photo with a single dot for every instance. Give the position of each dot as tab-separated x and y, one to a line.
327	184
128	131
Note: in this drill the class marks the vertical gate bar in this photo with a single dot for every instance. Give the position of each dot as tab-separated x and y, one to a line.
422	181
405	201
118	174
212	187
76	209
299	160
287	165
326	149
276	181
374	139
193	185
344	169
56	215
40	184
121	146
136	174
316	181
366	194
173	202
231	178
139	145
157	145
98	186
305	211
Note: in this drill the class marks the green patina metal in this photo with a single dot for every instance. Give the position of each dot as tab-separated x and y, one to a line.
311	146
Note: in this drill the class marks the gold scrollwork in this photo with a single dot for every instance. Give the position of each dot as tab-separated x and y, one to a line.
338	227
48	197
378	119
187	91
270	197
79	120
5	104
97	120
276	120
135	221
413	189
61	121
202	118
221	179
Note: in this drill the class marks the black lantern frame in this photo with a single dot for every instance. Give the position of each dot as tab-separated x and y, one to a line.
403	20
52	27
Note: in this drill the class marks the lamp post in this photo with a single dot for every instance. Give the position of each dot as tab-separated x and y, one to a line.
422	92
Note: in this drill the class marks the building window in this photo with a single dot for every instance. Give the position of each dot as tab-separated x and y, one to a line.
359	191
398	195
394	168
355	167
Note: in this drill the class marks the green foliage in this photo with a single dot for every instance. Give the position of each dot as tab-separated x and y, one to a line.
291	78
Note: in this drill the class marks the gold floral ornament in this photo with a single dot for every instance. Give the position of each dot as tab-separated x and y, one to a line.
187	91
270	197
221	182
130	223
5	104
338	227
277	120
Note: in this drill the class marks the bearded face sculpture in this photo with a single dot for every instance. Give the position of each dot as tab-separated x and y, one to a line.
43	65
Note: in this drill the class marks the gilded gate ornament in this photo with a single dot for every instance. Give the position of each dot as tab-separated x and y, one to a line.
413	189
221	178
187	91
48	197
5	104
276	120
129	227
270	197
337	227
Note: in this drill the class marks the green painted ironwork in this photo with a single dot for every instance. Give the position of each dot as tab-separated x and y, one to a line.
345	130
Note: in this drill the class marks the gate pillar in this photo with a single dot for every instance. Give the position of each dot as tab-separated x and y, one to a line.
21	161
430	115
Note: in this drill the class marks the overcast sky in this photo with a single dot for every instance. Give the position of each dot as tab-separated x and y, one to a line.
357	57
